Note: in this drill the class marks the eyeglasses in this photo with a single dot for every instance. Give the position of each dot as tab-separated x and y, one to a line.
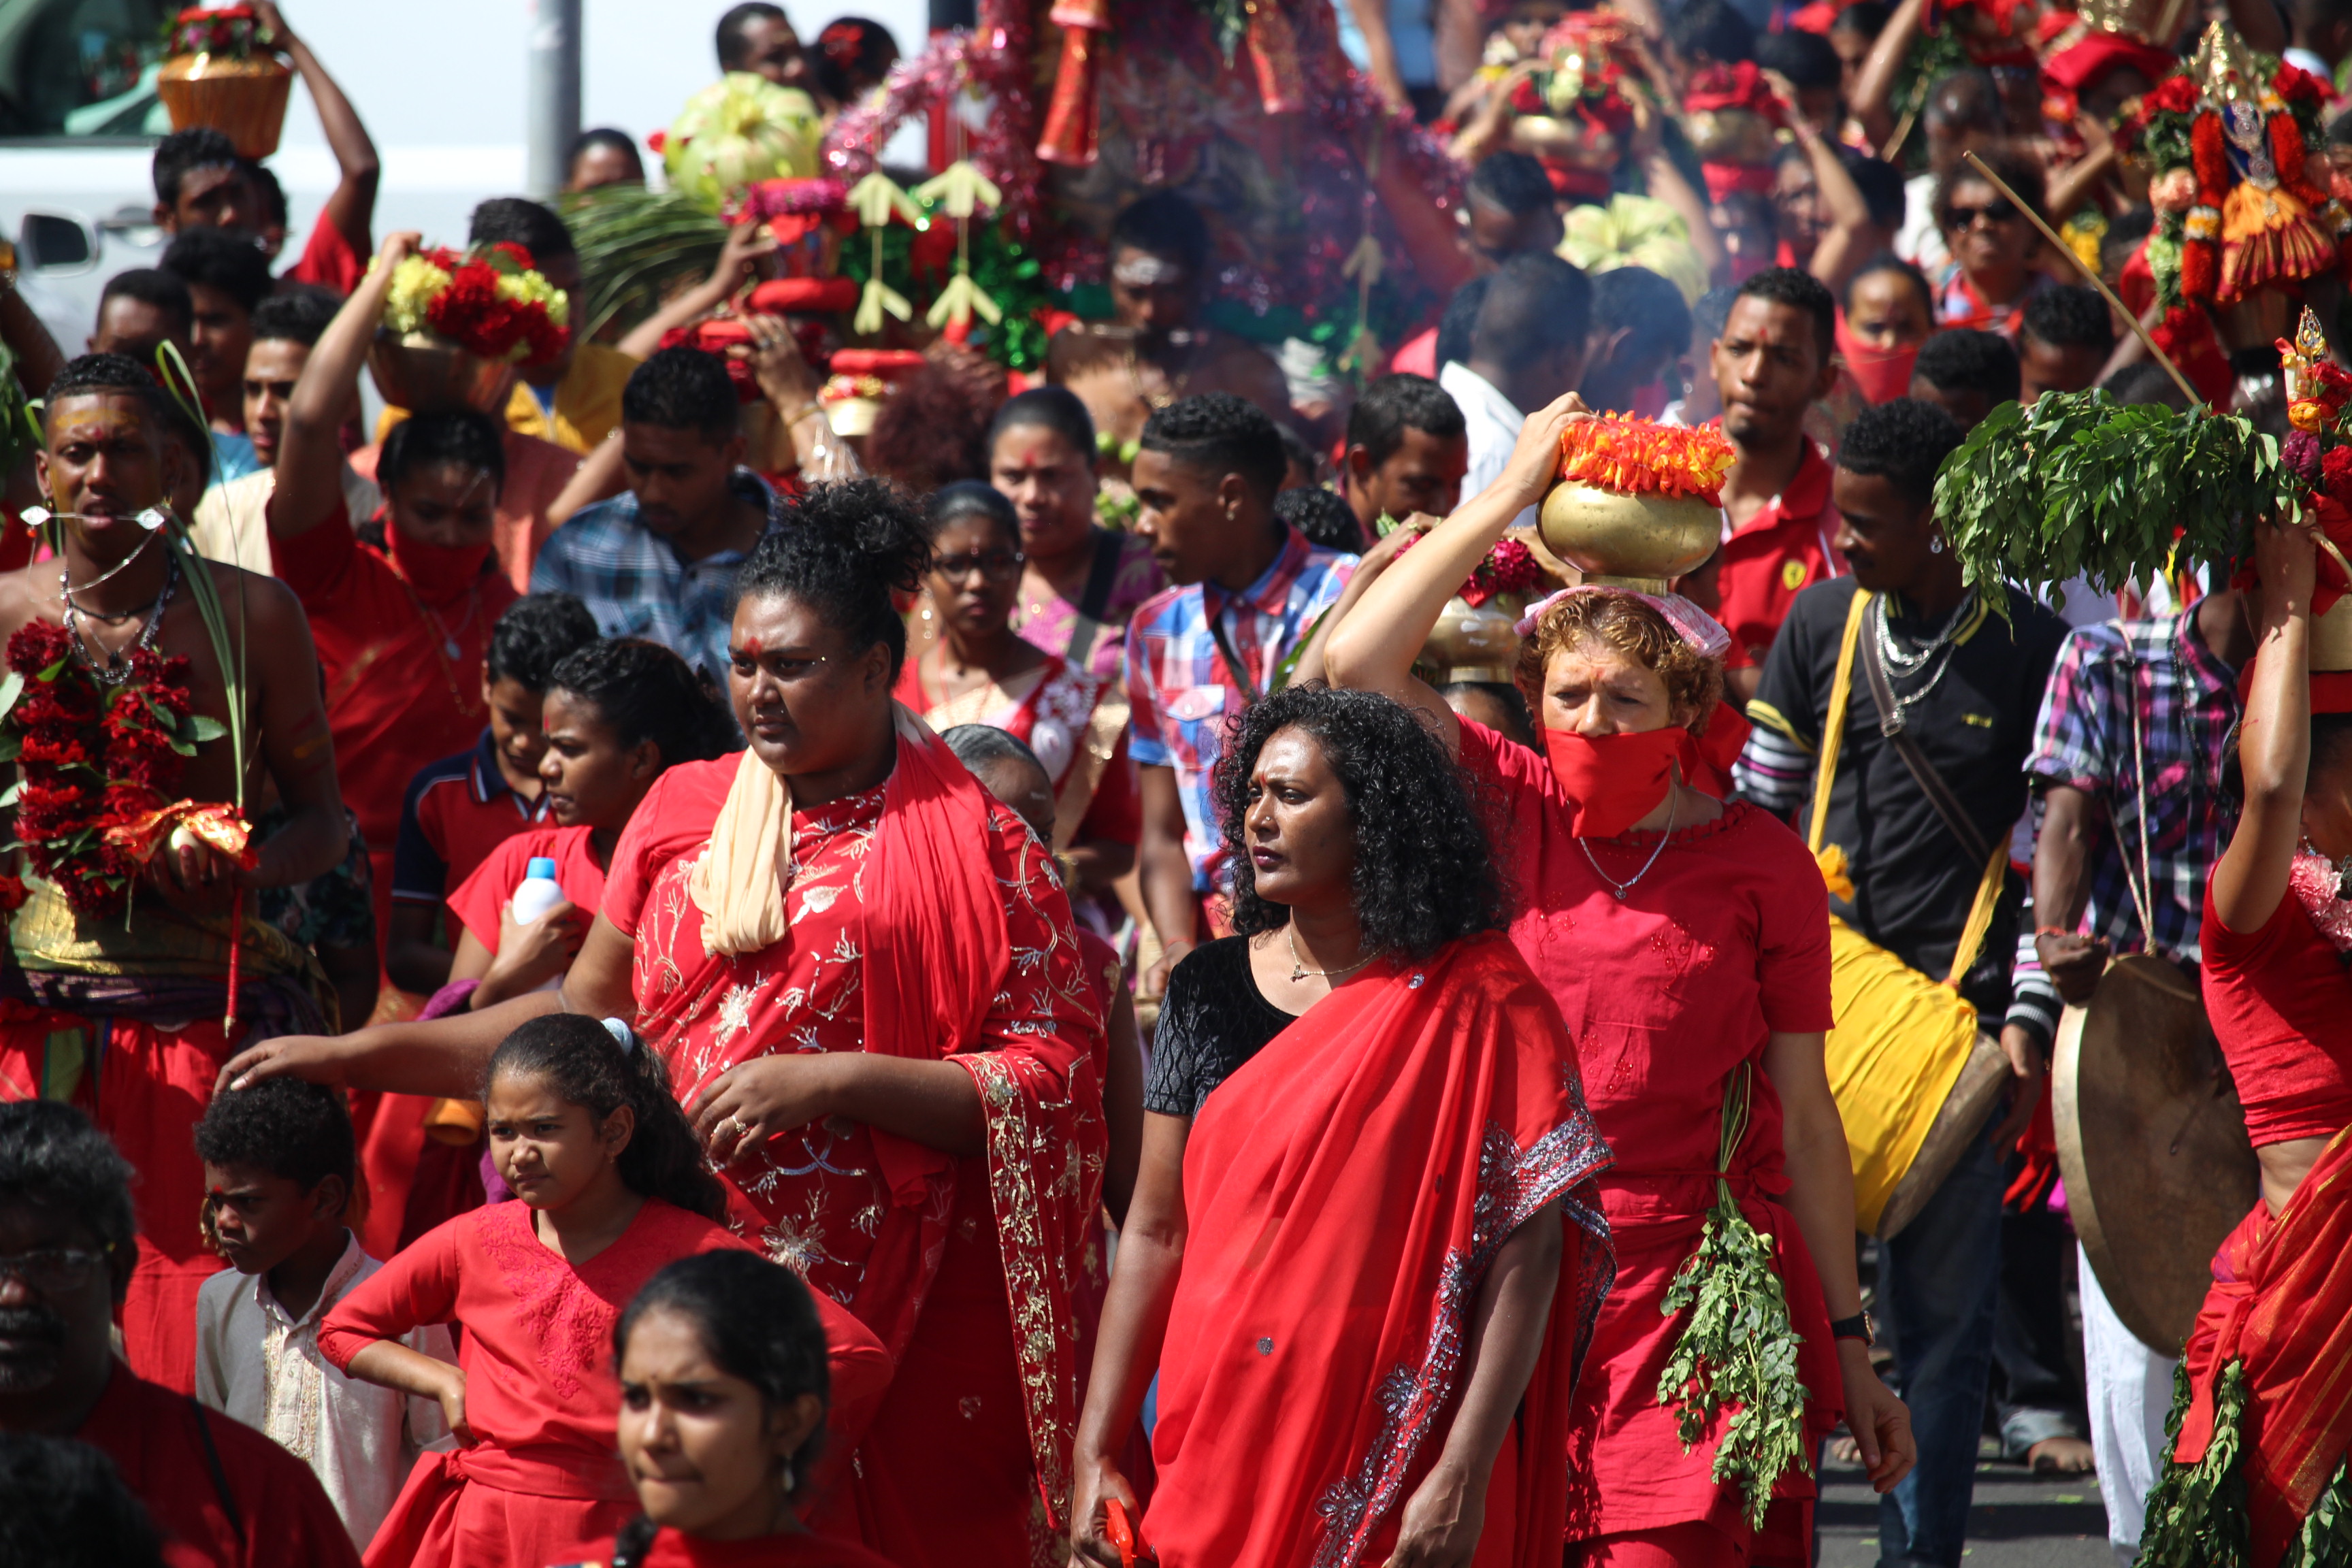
996	566
51	1268
1963	219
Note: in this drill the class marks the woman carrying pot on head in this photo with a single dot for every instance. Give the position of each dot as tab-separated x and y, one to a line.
1687	943
1362	1098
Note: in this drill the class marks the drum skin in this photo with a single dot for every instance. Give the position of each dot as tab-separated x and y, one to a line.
2152	1145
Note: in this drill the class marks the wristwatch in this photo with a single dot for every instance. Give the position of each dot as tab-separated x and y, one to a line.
1858	1327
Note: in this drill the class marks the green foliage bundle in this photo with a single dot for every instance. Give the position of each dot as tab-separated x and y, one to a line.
637	247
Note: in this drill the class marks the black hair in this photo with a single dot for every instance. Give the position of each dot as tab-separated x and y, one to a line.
64	1505
683	389
299	315
466	438
606	136
152	285
1712	310
2125	232
577	1059
2068	315
301	1132
2023	175
1298	454
2339	129
644	692
1054	408
1711	30
538	632
1868	17
90	375
273	195
1969	97
1881	184
1327	520
978	746
2145	380
1512	700
736	22
183	152
971	498
1396	404
1639	300
1513	182
849	47
52	1156
1216	432
843	550
1801	291
1805	58
1460	319
519	220
1887	261
1425	872
1165	225
223	258
1960	359
757	1321
1537	306
1903	441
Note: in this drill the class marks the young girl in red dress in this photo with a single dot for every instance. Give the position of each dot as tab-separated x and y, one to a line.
612	1187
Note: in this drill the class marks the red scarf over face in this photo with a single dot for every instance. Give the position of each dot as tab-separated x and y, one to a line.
1348	1189
1617	779
1881	374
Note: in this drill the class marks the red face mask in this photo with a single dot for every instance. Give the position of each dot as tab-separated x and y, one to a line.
1881	374
1617	779
439	572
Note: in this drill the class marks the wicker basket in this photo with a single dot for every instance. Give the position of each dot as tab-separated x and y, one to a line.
245	98
421	374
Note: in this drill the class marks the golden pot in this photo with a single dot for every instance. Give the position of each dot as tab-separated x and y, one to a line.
420	372
1732	136
1476	642
244	99
1567	141
1641	541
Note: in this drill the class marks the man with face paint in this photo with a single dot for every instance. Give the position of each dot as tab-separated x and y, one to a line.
1249	591
152	991
1155	351
221	1494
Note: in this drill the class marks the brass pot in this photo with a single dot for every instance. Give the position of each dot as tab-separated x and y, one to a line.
244	99
1732	136
1567	141
421	373
1476	642
1641	541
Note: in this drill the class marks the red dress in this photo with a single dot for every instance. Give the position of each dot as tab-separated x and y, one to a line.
482	896
924	922
1722	943
543	1484
672	1549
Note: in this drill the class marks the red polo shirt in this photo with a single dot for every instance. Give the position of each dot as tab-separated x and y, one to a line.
1787	547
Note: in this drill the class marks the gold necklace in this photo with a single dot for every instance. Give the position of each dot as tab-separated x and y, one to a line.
1298	970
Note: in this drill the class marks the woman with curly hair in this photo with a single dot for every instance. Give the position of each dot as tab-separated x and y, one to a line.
1363	1254
1687	941
862	972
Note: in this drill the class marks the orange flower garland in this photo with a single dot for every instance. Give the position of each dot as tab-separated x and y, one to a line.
1635	456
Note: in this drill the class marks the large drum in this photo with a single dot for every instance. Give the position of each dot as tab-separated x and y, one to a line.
2152	1145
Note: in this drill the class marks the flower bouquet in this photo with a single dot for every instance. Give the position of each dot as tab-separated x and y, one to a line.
223	73
1638	503
1477	636
457	328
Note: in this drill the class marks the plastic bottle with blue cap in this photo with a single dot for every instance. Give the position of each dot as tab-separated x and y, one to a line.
538	892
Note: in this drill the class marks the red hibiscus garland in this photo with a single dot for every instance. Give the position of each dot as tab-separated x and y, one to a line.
1510	567
471	313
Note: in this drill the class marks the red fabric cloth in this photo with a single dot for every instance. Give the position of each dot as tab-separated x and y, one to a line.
941	888
1051	719
1407	1126
1692	1546
146	1089
1725	940
327	259
2084	64
542	1485
2186	332
2282	1304
482	897
536	472
1417	357
1785	548
672	1549
1881	375
152	1435
2278	999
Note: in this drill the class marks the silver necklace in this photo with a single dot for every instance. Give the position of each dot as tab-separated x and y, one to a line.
1901	665
117	668
1621	889
1298	970
68	588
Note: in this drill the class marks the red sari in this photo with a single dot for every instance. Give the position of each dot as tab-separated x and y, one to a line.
1076	722
543	1484
924	922
1420	1115
672	1549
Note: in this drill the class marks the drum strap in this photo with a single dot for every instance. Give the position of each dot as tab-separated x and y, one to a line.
1988	898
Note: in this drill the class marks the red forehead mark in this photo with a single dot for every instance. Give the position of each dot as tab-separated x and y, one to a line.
97	419
753	646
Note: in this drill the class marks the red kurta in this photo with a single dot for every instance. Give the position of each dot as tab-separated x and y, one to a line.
480	898
925	923
543	1484
671	1550
282	1517
1723	942
1346	1189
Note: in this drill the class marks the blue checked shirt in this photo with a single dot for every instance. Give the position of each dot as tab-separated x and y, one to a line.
632	582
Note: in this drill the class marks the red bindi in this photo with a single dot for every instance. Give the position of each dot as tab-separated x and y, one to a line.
752	646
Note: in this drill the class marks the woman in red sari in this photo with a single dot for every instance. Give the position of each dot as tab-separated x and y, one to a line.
863	973
1364	1256
1687	941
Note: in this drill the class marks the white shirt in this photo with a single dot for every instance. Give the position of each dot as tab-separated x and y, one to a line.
1493	424
257	1365
232	522
1919	241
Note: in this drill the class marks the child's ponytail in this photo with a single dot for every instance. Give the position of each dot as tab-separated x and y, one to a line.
582	1062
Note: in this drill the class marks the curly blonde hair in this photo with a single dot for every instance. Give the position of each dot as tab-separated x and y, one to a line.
1628	624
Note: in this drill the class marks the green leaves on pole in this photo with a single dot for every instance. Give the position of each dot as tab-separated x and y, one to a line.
876	199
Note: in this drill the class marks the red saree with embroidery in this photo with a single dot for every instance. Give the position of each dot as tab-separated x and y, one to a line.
923	921
1346	1190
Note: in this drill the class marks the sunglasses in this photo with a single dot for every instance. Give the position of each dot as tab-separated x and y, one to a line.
1963	219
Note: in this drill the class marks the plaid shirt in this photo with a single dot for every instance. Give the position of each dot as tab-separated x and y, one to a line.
1180	691
632	582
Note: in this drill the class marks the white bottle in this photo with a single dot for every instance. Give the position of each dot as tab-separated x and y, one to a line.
538	891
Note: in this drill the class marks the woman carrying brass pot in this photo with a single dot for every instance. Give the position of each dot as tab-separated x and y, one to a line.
1686	941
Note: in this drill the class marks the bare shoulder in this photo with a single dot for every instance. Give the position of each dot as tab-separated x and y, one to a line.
273	617
1247	370
1080	348
27	594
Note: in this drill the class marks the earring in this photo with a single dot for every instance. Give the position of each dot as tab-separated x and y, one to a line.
786	1477
1935	545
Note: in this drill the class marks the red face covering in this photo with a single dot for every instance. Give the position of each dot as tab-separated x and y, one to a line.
439	572
1617	779
1881	374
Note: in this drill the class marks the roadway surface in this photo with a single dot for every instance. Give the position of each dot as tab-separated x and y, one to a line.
2017	1521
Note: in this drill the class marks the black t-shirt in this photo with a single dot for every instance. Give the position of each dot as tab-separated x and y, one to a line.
1913	882
1213	1020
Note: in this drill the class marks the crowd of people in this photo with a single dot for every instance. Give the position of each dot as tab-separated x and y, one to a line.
649	974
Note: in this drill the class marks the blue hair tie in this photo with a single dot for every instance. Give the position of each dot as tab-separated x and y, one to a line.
623	1036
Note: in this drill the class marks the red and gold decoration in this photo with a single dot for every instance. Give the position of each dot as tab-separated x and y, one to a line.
223	73
1732	117
1574	117
1638	504
2316	459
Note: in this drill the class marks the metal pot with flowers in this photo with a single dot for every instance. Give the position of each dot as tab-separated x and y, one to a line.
458	327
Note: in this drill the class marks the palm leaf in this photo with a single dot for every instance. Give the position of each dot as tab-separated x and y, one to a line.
637	247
